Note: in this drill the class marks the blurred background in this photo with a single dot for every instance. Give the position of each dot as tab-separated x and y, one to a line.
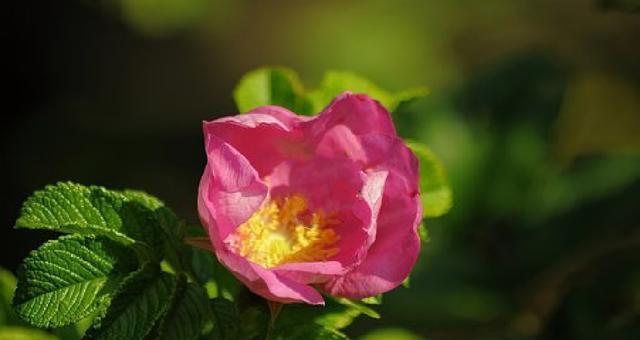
534	108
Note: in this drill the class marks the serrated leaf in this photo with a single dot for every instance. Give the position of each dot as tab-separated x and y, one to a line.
435	192
336	82
309	332
69	278
73	208
189	315
23	333
226	319
271	86
176	252
141	301
165	217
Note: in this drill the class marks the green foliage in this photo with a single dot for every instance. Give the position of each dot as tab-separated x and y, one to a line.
67	279
272	86
373	300
435	191
390	334
282	86
7	286
72	208
23	333
217	280
226	319
360	307
424	233
188	317
141	301
333	314
109	266
336	82
310	332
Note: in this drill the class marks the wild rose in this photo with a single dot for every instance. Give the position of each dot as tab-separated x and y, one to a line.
295	205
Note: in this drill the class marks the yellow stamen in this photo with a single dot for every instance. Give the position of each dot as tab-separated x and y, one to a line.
283	232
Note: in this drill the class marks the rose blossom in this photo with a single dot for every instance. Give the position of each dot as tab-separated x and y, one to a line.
295	205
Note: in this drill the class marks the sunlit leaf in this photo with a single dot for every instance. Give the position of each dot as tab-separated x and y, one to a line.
281	86
435	191
7	287
333	314
361	307
337	82
373	300
271	86
73	208
67	279
391	333
23	333
424	233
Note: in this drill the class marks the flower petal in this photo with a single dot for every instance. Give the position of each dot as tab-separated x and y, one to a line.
397	244
265	136
394	252
358	112
266	283
230	189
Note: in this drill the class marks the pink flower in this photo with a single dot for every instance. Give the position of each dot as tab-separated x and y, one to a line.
298	204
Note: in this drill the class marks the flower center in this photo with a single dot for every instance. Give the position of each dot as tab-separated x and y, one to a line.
284	231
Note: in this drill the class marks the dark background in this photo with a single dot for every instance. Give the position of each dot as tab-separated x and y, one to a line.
534	108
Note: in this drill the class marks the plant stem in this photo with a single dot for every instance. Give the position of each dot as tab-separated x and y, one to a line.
274	308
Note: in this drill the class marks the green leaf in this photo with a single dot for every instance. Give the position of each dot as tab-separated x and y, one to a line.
391	333
141	301
309	332
226	319
189	315
435	192
373	300
73	208
271	86
211	274
7	287
22	333
165	217
69	278
75	331
333	314
362	308
282	86
424	233
176	252
337	82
